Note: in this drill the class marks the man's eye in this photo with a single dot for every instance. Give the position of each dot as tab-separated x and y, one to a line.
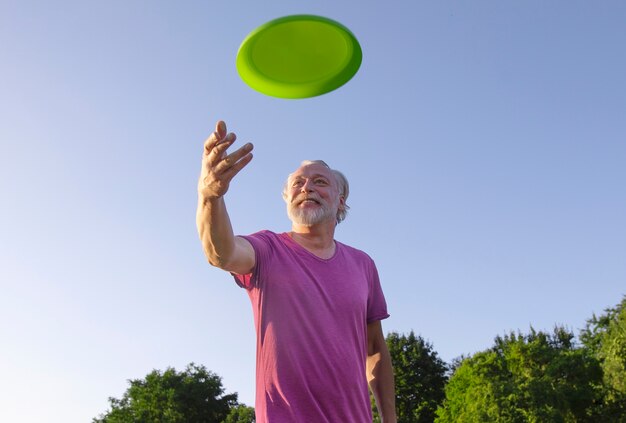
321	181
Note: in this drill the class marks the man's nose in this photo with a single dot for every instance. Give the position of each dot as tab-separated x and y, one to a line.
307	186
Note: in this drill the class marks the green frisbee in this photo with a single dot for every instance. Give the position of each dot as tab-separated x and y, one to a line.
298	56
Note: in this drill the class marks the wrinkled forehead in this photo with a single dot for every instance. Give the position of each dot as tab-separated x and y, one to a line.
313	170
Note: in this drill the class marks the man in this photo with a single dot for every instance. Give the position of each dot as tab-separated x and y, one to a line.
317	303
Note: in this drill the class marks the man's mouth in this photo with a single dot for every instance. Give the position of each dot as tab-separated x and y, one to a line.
308	201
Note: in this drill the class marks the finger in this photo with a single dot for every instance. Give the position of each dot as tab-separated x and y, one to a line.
218	150
211	142
216	140
220	128
233	158
234	169
228	161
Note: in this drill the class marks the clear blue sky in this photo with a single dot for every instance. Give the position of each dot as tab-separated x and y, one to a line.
485	143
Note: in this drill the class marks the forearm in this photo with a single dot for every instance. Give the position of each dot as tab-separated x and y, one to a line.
220	245
381	382
215	230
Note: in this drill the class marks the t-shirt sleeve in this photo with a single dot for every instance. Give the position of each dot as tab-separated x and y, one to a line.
261	243
376	303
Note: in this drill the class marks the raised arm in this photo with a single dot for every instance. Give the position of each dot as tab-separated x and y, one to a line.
221	247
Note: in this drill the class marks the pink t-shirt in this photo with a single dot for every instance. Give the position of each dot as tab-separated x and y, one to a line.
311	317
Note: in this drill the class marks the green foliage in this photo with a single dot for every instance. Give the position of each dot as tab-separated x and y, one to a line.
596	328
605	337
420	377
241	414
192	396
613	353
537	377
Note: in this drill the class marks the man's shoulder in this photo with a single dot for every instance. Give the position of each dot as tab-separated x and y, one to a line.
264	237
263	233
355	252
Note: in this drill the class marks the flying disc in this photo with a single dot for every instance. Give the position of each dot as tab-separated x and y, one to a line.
298	56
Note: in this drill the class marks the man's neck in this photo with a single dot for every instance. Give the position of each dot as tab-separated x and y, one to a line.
318	239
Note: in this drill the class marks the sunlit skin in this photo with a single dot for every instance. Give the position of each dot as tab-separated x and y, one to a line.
312	189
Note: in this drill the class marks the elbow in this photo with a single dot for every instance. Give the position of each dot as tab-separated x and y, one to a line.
217	257
217	261
214	262
226	262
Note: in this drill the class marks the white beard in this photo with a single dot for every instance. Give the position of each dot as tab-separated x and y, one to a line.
310	217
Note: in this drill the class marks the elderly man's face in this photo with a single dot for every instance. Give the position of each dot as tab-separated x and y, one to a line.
312	195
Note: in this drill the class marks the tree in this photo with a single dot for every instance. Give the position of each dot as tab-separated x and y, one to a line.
241	414
613	353
192	396
537	377
420	377
605	337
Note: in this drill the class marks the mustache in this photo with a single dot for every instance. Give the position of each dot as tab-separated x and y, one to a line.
302	198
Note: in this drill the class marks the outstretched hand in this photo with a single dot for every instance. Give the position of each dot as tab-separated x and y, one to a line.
218	167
